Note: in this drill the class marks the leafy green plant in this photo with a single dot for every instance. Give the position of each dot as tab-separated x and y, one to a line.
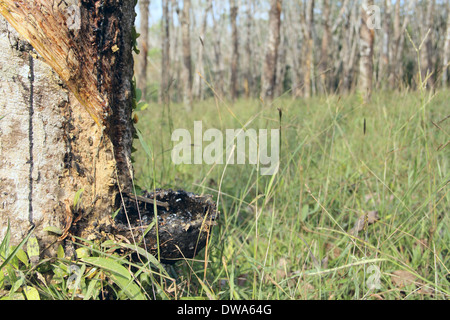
12	277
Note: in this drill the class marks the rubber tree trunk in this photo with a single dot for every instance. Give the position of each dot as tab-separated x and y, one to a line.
185	21
66	114
143	47
248	75
326	39
427	69
366	38
385	44
396	69
270	64
219	68
165	60
234	8
198	87
446	52
309	61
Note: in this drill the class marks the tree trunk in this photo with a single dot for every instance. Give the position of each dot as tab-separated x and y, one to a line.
165	61
446	53
186	74
294	56
393	74
268	80
366	38
384	57
396	70
309	63
326	38
50	146
218	61
248	71
235	51
281	68
198	85
143	47
176	53
349	48
427	70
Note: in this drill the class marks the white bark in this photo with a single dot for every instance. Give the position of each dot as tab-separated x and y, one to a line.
29	144
40	168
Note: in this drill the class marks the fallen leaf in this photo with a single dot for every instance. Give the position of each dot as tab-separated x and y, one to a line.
402	278
281	272
370	218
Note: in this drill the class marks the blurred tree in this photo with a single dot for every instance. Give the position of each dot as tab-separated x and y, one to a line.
268	79
186	74
142	69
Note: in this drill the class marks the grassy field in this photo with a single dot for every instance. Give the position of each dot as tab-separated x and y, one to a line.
293	235
357	210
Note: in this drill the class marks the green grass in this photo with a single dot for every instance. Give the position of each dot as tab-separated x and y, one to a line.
286	237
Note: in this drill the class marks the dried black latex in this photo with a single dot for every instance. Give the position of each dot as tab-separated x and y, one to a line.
184	222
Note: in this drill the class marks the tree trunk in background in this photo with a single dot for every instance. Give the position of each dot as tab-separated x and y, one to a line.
309	45
326	38
384	56
349	48
396	69
143	47
176	54
235	50
218	61
186	74
281	68
198	85
268	80
393	74
427	69
165	59
366	38
294	56
446	53
248	71
50	146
